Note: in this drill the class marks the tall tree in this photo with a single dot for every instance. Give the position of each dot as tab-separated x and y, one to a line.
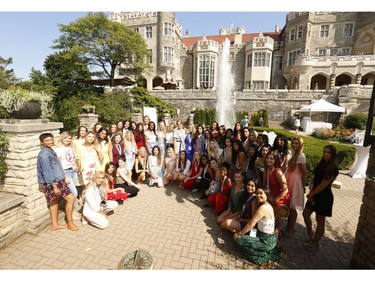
7	76
104	45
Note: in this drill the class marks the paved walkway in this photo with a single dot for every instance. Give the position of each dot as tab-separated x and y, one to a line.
171	224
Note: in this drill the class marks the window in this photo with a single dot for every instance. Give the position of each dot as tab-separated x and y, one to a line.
149	56
249	61
292	36
168	29
345	51
168	54
321	52
334	51
148	31
206	71
268	59
292	56
278	62
300	32
348	29
259	59
136	29
324	30
259	85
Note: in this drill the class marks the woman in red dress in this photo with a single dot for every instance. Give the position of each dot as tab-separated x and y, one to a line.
221	198
195	172
139	136
117	194
275	180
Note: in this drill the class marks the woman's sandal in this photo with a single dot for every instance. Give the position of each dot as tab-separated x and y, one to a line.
311	246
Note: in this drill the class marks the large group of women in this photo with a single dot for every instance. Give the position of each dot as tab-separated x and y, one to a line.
244	178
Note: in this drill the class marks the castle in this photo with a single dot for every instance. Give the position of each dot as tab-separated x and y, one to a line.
314	51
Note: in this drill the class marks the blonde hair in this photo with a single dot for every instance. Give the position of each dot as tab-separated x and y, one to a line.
62	136
103	187
293	161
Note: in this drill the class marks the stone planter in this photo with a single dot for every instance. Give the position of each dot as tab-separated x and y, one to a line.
31	110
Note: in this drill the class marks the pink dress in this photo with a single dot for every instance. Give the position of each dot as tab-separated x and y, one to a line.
295	185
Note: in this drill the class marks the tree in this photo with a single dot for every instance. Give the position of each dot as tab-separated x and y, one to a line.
104	45
7	76
67	72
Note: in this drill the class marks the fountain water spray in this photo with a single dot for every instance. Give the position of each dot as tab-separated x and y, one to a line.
225	98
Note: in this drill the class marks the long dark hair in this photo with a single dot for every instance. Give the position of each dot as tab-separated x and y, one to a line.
236	153
246	195
330	166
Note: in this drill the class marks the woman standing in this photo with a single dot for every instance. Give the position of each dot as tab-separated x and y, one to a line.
161	137
189	143
237	132
238	155
275	180
130	150
150	137
105	147
296	179
118	148
226	156
179	137
155	167
249	168
260	163
206	177
139	136
261	247
88	157
96	205
214	128
80	137
169	137
198	139
139	171
320	197
280	147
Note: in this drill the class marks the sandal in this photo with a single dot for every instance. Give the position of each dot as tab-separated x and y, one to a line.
311	246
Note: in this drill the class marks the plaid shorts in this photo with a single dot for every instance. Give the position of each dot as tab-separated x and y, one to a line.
50	194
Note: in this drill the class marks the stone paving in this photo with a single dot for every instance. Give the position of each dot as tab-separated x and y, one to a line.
171	224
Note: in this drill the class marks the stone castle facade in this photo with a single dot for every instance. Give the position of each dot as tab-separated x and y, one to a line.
313	51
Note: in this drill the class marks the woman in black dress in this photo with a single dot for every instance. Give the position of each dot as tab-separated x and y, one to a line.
320	197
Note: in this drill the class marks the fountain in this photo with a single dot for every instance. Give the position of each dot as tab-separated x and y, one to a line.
225	97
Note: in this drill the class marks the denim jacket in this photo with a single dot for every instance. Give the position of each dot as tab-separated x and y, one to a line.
49	166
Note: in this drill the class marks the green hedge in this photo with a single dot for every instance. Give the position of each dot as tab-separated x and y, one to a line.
356	121
313	150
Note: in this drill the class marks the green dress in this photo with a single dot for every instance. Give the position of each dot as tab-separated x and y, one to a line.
262	248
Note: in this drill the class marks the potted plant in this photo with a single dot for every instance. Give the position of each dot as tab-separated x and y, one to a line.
26	104
87	108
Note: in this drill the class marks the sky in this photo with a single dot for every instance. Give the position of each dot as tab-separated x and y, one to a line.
28	28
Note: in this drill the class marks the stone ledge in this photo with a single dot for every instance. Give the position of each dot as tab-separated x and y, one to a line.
24	126
9	200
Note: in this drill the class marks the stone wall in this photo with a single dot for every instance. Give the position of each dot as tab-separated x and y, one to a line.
279	103
23	204
363	251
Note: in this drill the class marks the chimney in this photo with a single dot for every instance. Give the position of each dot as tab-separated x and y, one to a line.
277	29
187	33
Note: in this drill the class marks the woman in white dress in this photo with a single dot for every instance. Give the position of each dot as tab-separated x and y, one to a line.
88	157
179	136
296	179
161	137
169	166
155	167
96	206
150	137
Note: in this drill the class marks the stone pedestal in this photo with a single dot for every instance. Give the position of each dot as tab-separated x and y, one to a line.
21	190
137	117
88	120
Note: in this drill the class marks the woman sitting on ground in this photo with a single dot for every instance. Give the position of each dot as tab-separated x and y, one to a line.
260	248
123	180
195	172
219	198
182	168
169	166
155	167
203	182
139	171
117	194
96	206
239	221
234	207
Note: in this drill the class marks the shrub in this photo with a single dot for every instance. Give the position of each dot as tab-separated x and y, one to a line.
356	121
4	144
204	116
313	150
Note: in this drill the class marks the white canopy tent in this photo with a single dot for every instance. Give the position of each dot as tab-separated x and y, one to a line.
322	106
